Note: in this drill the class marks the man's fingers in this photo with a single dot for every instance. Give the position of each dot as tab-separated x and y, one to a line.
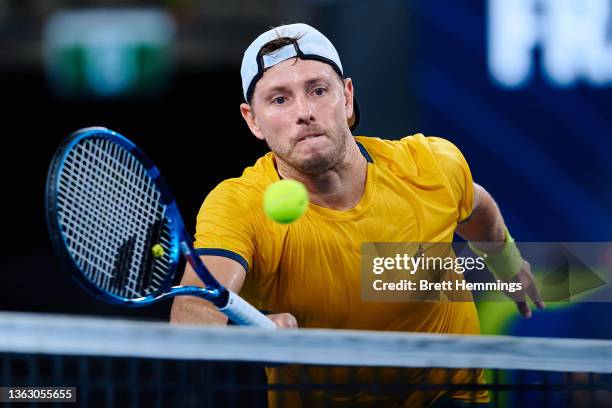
521	303
537	300
524	309
518	297
529	291
534	294
284	320
532	288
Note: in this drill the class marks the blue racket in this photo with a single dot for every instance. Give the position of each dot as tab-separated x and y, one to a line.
114	222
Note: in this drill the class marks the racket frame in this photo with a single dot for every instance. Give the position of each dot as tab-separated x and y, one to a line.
213	292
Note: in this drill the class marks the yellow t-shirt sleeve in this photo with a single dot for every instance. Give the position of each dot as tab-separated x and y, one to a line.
455	168
224	226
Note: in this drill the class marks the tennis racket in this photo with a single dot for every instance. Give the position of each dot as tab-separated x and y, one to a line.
114	223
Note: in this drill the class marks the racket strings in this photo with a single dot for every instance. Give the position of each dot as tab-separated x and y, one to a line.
119	276
111	214
98	217
153	235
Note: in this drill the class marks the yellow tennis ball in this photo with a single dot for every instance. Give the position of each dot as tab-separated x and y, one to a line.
157	250
285	201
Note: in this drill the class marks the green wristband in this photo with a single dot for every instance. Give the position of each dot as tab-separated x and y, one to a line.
506	263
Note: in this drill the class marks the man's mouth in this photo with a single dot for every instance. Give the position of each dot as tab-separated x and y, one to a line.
309	136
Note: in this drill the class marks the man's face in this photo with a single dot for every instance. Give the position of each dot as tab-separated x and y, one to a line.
300	107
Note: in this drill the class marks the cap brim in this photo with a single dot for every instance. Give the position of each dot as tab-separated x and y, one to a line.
354	119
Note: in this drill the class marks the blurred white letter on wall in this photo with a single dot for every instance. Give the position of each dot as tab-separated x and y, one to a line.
513	34
572	36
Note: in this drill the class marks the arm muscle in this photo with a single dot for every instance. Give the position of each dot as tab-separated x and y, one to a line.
190	309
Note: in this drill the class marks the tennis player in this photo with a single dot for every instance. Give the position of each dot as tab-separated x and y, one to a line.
362	189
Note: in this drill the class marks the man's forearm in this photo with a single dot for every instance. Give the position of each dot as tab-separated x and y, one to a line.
489	237
485	228
191	310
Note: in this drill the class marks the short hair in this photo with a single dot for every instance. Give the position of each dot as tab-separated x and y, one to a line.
275	45
278	43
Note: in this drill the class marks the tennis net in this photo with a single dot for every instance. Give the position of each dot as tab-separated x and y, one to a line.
133	363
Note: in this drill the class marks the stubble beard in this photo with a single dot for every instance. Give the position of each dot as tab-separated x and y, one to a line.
317	163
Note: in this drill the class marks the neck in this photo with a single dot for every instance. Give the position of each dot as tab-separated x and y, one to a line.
339	188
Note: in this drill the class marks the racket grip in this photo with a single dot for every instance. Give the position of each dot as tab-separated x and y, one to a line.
244	314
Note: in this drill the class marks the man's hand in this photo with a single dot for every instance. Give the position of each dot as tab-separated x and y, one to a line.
283	320
529	290
486	225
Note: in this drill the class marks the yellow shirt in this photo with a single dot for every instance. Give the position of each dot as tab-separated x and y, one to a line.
417	189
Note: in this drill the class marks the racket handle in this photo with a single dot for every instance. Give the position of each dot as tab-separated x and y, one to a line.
244	314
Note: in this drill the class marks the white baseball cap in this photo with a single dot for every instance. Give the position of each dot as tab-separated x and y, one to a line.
310	44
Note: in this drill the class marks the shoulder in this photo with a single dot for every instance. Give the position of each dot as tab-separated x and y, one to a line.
441	148
415	154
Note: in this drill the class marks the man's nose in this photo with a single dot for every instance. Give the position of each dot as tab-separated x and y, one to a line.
304	110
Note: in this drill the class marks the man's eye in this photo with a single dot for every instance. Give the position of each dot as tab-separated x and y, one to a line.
279	100
319	91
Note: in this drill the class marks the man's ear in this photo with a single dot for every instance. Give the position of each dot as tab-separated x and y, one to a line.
348	98
249	117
